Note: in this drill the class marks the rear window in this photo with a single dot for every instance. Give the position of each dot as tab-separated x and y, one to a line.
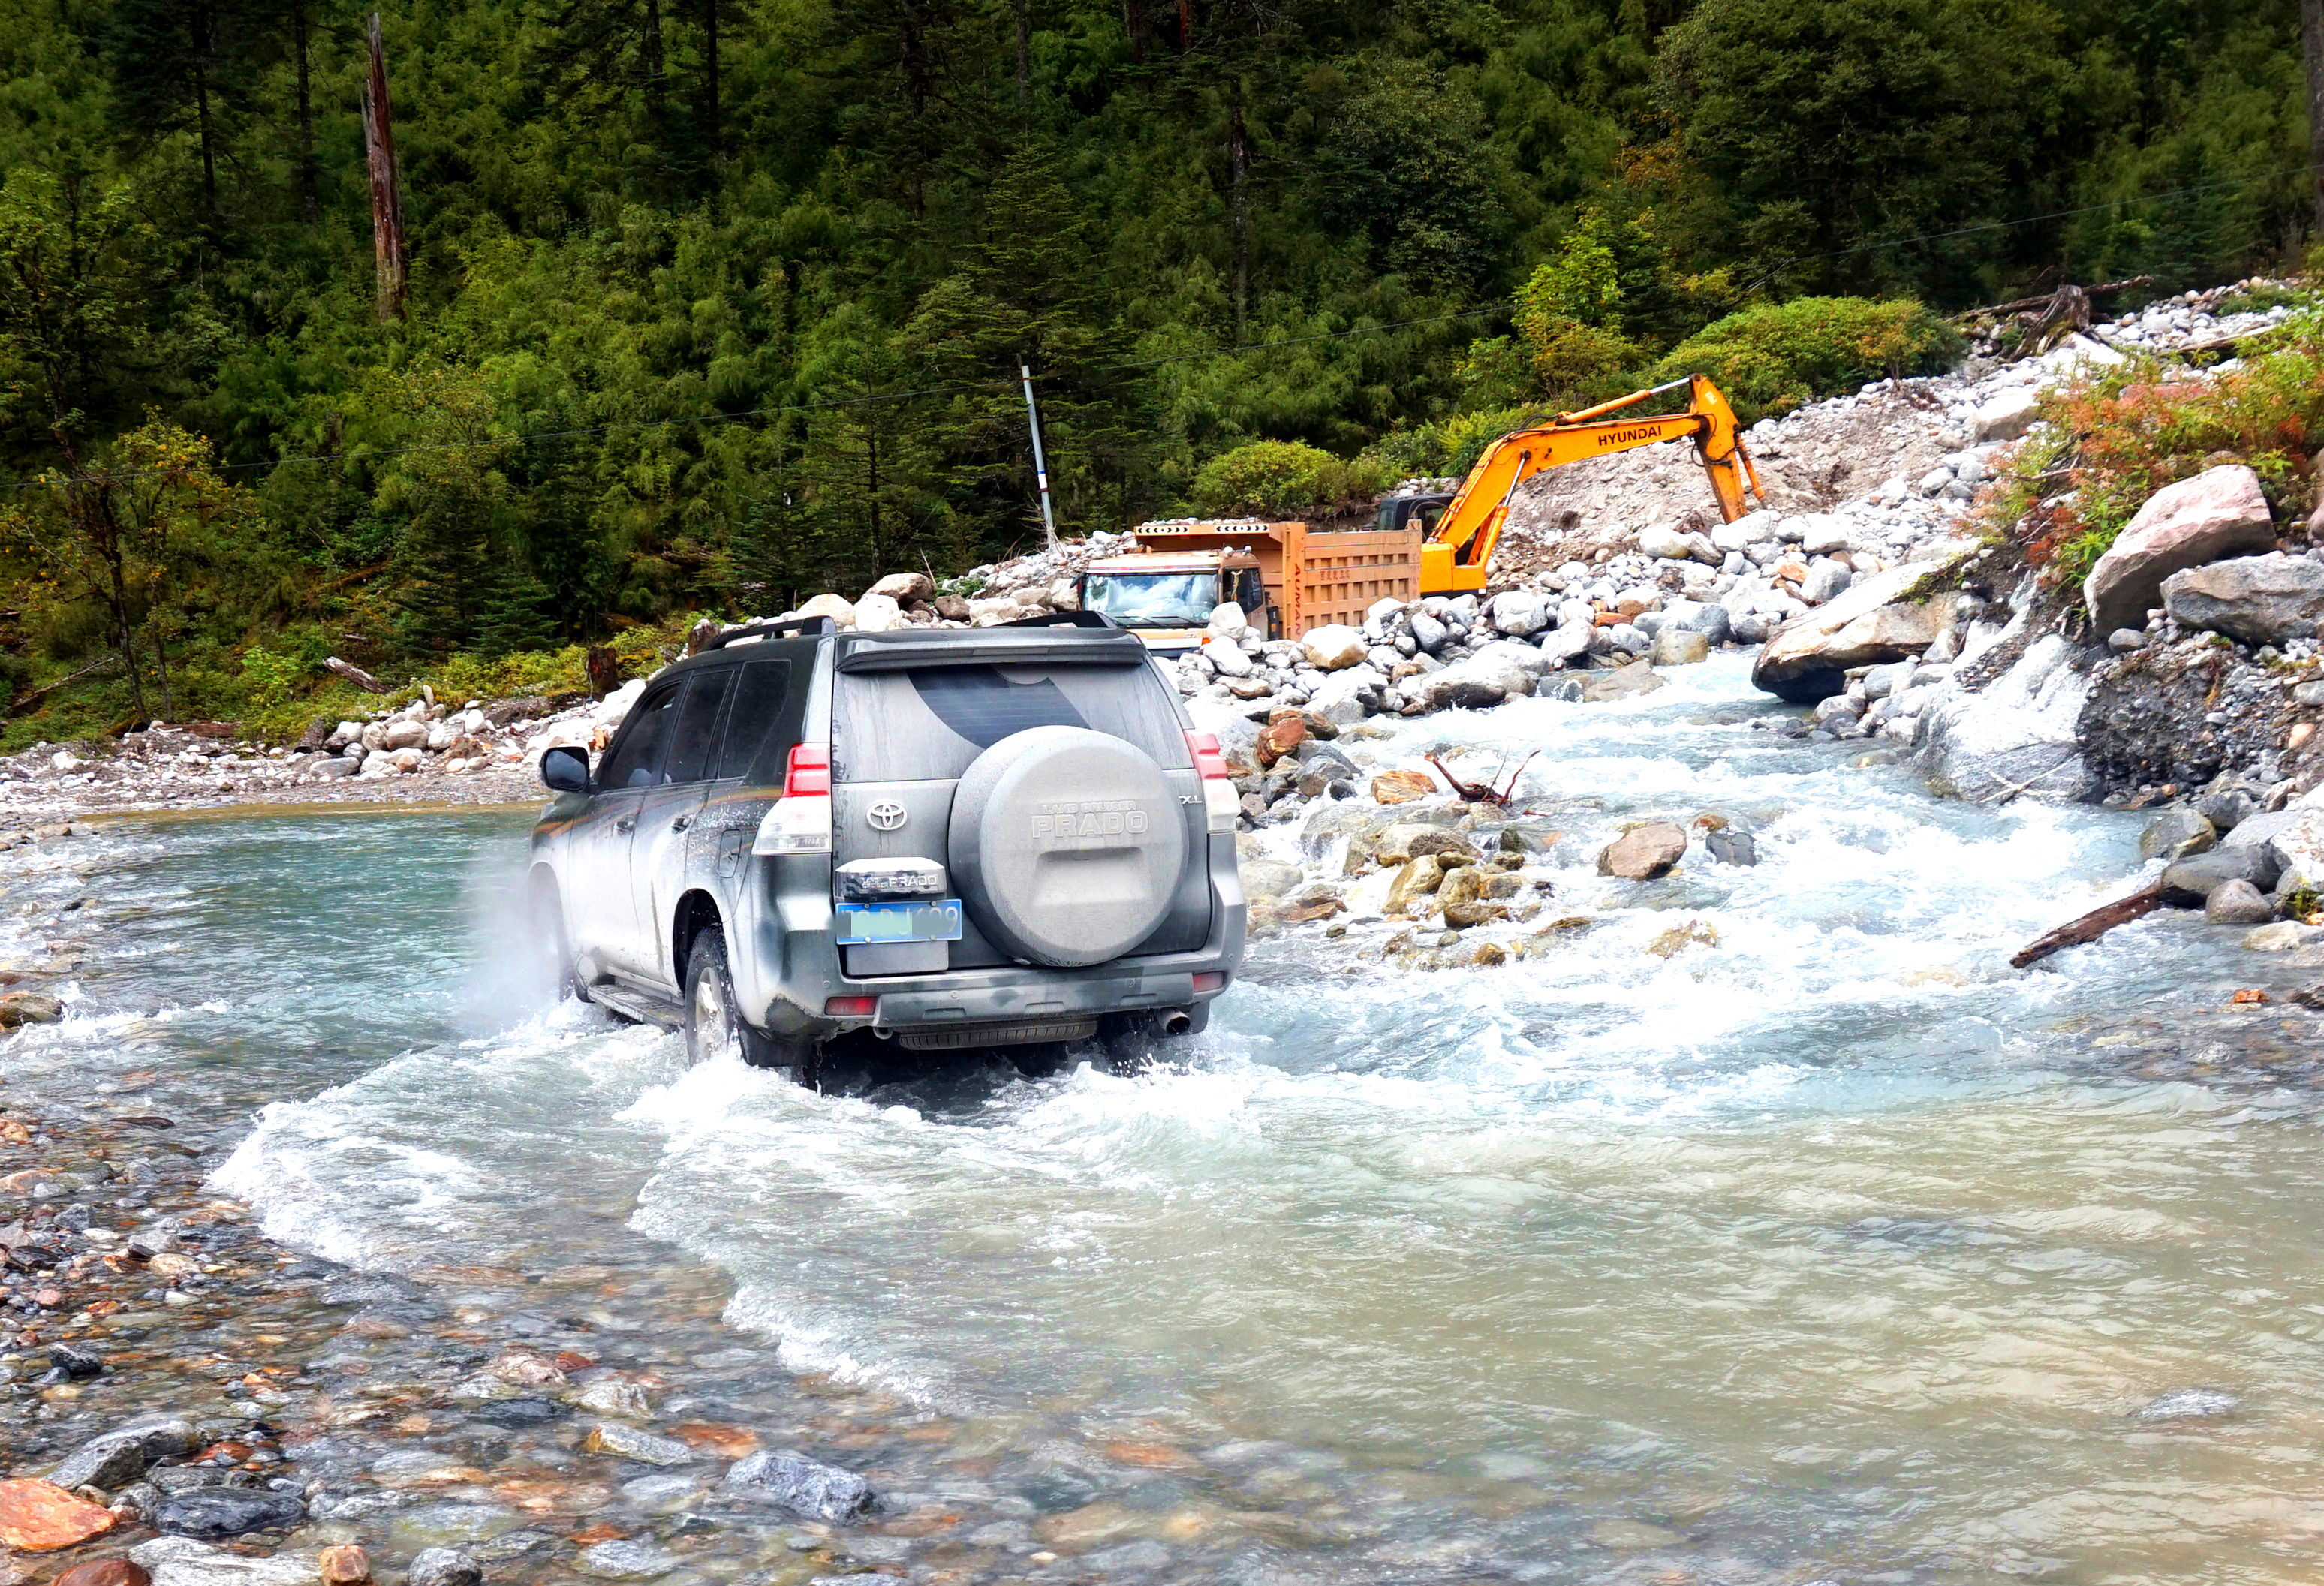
927	725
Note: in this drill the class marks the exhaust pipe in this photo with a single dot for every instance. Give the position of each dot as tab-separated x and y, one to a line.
1177	1023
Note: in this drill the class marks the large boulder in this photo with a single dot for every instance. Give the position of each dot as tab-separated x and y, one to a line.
837	607
1475	684
905	589
1334	646
2219	512
2297	847
878	614
2016	736
2258	600
1644	853
1623	682
1520	613
1807	658
2009	415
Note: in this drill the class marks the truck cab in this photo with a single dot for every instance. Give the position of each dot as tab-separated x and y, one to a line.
1167	597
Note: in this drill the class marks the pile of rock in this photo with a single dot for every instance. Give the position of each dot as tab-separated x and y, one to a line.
2193	318
426	736
2228	854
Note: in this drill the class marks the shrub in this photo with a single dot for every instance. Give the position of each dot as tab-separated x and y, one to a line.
2110	444
1772	359
1273	478
1450	445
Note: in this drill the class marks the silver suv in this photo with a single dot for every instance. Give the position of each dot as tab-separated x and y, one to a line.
953	838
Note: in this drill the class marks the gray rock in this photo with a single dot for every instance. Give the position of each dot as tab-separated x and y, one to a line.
1708	618
217	1513
647	1448
2190	883
804	1487
115	1459
2227	811
1563	646
2187	1404
2257	600
2126	639
2177	833
1644	853
1622	682
1269	878
1729	846
2311	692
444	1566
177	1560
1678	647
336	766
627	1561
2237	903
1520	613
1825	581
2260	831
1428	632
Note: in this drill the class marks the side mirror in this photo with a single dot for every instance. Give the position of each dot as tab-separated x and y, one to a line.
566	769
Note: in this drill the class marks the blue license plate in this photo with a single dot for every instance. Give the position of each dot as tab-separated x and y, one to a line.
863	925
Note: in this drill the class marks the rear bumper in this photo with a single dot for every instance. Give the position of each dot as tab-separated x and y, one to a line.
794	971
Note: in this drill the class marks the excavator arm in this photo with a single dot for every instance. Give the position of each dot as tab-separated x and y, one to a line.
1460	550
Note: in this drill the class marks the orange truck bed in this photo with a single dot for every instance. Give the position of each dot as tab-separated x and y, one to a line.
1312	578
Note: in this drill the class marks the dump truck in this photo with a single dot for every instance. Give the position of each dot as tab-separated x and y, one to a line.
1433	544
1287	577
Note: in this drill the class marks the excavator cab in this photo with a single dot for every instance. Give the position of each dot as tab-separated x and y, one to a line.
1408	511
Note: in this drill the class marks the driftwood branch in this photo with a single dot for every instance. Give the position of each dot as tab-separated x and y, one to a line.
355	674
2018	304
2097	922
42	692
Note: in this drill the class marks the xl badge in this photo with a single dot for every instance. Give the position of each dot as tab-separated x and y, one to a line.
886	815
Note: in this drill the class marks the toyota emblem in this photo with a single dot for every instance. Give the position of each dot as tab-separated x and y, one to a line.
886	815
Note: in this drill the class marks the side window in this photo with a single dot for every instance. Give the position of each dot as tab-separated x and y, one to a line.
636	760
1250	593
758	712
694	743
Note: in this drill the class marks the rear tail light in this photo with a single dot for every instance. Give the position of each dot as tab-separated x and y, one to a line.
1209	979
850	1007
1220	804
800	821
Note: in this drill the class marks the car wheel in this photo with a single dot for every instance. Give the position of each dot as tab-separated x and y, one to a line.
715	1026
548	929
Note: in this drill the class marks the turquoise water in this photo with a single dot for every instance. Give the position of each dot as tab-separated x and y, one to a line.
1835	1247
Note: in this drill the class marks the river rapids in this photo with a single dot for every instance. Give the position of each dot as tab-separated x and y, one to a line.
1826	1246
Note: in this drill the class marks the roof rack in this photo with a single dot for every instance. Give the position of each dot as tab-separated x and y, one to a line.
1064	620
771	630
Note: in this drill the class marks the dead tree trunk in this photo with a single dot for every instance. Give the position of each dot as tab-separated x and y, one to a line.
1024	9
2097	922
1238	200
308	182
389	255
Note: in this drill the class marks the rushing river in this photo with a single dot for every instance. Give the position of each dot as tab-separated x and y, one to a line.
1834	1247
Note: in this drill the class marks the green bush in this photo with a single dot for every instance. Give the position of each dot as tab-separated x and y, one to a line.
1274	477
1448	447
1772	359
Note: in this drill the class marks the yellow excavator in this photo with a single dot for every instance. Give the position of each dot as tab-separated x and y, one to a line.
1462	528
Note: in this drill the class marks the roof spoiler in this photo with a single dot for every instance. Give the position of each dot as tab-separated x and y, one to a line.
771	630
1064	620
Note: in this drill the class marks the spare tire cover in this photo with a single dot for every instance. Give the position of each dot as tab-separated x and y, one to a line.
1067	844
